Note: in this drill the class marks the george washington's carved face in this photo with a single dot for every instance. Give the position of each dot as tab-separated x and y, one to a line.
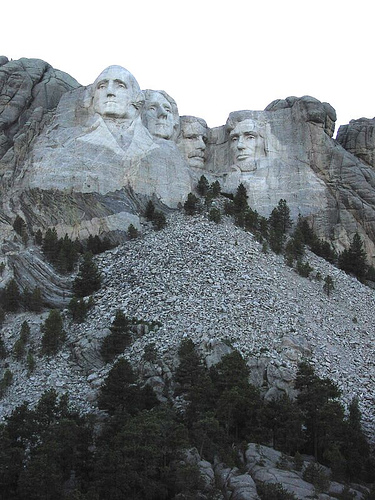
115	94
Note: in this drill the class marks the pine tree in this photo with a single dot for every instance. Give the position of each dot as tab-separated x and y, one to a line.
353	259
328	286
132	232
159	220
50	245
119	338
36	300
88	279
203	186
12	296
191	204
215	189
240	200
53	333
19	226
38	237
149	212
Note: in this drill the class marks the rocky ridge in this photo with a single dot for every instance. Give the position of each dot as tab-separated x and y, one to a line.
214	284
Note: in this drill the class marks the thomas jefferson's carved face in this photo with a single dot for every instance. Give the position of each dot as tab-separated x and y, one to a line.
244	143
158	116
192	143
115	93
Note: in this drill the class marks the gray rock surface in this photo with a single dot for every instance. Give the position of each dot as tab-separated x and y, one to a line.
28	88
214	284
358	137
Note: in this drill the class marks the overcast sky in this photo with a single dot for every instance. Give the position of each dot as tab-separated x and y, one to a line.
211	56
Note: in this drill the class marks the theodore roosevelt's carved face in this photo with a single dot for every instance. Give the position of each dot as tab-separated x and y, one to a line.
244	144
157	115
115	94
192	142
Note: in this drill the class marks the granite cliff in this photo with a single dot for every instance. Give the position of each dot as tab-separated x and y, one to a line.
86	161
73	158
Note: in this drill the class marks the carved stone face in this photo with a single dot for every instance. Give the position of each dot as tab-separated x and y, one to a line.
192	143
244	144
115	93
158	116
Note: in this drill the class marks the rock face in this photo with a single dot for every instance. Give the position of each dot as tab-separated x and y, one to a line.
358	137
86	160
28	89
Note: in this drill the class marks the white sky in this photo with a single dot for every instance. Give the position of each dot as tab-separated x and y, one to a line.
211	56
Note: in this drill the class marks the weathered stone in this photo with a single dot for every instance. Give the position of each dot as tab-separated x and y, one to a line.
358	137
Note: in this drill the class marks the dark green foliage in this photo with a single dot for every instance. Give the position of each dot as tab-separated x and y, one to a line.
119	338
32	301
19	226
78	308
20	345
295	247
303	268
120	393
240	200
88	279
191	204
284	419
138	460
30	362
36	300
50	245
11	297
2	267
215	189
6	381
274	491
95	245
279	222
316	475
353	260
53	333
324	249
63	253
2	315
214	215
149	212
279	219
40	448
132	232
203	186
328	286
323	414
38	237
3	350
159	220
150	353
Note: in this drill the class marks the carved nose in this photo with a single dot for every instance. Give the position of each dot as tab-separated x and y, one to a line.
201	144
161	112
240	144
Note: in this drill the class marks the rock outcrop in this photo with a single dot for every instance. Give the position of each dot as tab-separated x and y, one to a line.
87	159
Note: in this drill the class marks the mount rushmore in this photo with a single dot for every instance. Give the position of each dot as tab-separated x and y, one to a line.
86	160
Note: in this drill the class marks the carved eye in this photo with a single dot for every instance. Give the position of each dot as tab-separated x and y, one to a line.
152	108
122	85
102	86
234	138
168	110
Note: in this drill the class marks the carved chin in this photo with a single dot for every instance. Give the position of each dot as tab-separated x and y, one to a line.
246	166
196	161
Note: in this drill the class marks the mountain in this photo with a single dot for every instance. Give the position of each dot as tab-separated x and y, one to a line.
68	169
